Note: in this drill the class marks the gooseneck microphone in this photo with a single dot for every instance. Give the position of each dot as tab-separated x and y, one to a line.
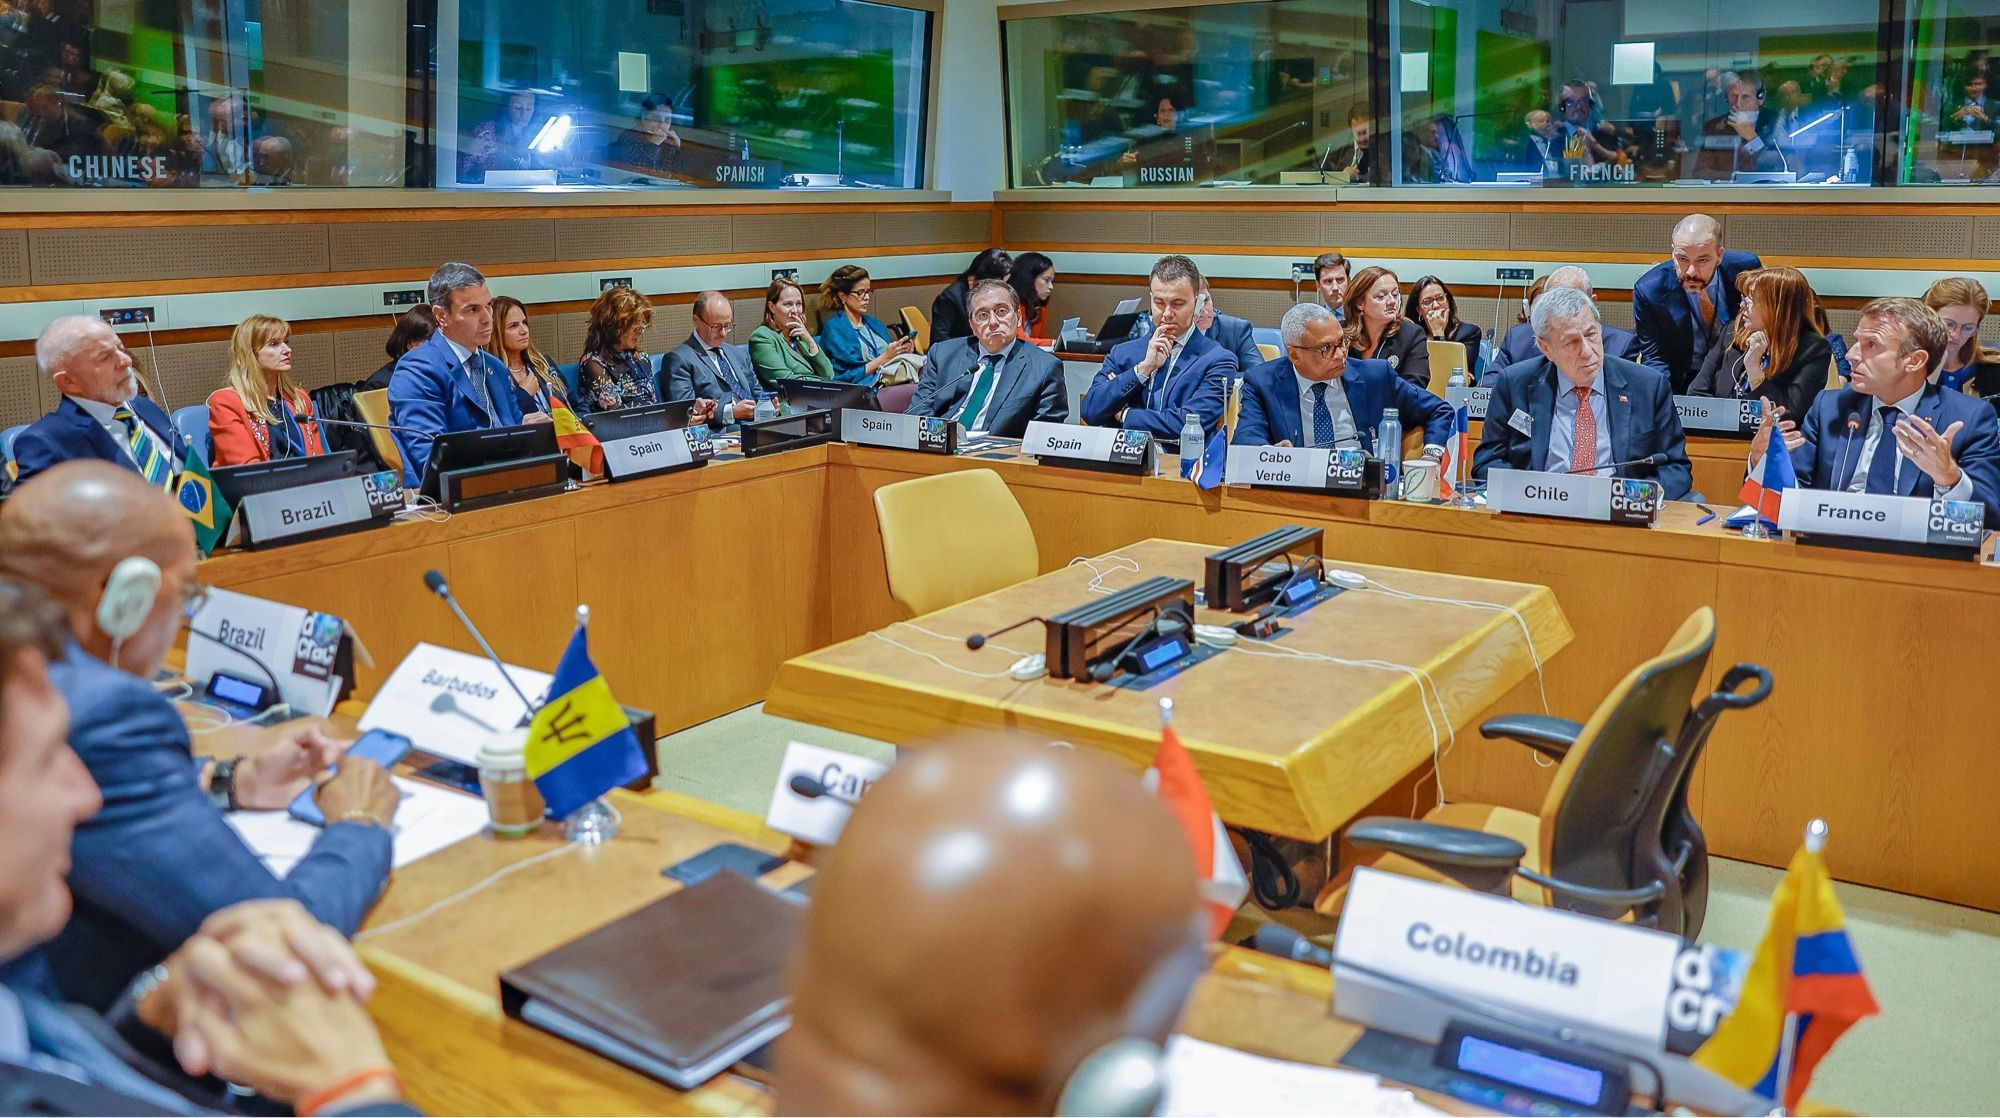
277	693
393	427
438	586
1276	939
812	789
977	641
1840	479
1654	459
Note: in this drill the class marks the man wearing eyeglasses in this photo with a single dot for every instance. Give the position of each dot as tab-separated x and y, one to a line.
118	557
1316	396
704	368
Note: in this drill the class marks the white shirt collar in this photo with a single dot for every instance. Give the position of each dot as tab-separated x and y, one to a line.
13	1029
979	351
1596	384
463	354
1908	404
97	409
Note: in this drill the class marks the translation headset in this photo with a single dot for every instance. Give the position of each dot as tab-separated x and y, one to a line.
127	600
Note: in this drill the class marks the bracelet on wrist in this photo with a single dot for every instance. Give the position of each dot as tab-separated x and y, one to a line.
319	1100
358	815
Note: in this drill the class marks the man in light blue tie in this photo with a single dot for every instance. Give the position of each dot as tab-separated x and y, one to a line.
703	368
992	382
450	383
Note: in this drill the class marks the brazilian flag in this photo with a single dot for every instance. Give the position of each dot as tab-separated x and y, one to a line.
208	509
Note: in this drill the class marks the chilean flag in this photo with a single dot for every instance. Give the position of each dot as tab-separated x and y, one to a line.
1764	494
1173	778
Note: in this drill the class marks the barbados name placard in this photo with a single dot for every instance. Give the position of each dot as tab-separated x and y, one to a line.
927	434
1610	500
1916	520
658	452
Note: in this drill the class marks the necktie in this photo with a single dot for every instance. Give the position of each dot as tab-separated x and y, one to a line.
982	387
1882	466
1583	452
478	378
1322	418
729	375
154	464
1707	309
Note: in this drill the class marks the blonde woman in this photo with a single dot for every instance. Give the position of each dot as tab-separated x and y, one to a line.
263	413
1969	366
537	388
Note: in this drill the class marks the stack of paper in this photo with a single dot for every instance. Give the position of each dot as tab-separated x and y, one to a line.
429	819
1205	1080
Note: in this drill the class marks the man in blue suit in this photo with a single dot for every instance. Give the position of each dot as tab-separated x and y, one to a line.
158	859
1519	344
450	383
1683	306
1890	430
1579	412
1231	333
1343	396
101	415
1151	383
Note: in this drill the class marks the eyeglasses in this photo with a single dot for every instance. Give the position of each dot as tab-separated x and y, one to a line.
725	327
862	292
1575	102
194	596
1325	352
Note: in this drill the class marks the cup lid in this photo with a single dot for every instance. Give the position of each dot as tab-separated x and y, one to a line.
505	750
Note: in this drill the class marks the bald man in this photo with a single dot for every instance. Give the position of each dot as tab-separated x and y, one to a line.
117	556
101	416
1519	344
996	912
1683	305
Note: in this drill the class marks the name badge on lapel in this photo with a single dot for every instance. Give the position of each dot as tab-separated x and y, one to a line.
1523	422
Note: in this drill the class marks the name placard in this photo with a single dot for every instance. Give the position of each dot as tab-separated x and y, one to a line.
928	434
819	819
1098	448
1472	399
657	453
1611	500
1291	467
1914	520
1712	416
449	702
1592	974
322	506
298	647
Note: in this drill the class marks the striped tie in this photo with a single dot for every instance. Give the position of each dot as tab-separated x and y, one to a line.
154	462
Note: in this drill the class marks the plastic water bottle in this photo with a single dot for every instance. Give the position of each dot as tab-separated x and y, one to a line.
1389	445
1458	379
1193	441
1142	327
767	408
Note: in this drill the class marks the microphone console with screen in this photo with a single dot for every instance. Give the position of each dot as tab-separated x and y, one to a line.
1230	577
1080	639
277	693
442	589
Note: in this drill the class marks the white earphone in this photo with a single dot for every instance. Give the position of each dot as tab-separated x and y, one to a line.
128	597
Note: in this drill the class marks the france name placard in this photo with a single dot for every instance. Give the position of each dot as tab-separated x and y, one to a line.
1473	400
283	513
1710	415
1538	961
657	452
924	433
1613	500
1876	517
1065	441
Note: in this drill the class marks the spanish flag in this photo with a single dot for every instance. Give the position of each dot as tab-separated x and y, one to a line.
580	744
576	440
1806	967
209	510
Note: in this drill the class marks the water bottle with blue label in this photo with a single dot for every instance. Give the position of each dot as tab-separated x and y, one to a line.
767	407
1389	447
1142	327
1192	442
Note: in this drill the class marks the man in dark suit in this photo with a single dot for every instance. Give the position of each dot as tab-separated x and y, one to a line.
703	368
992	382
101	415
1743	139
1890	430
1684	305
57	1058
118	557
1579	412
1519	342
450	383
1231	333
1317	396
1151	383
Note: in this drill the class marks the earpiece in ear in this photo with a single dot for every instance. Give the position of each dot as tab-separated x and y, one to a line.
128	597
1124	1079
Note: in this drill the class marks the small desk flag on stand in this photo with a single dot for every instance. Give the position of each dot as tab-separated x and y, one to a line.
1218	874
580	743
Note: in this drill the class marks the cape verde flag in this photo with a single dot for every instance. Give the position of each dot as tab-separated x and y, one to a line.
1218	874
1206	471
1805	966
580	743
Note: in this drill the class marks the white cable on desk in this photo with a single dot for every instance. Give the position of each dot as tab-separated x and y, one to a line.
1097	580
1526	635
462	894
956	640
894	643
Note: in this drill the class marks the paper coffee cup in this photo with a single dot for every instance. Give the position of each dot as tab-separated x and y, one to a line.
512	802
1419	480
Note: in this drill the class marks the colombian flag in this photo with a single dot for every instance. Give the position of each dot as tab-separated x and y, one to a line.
1804	966
1217	872
580	744
575	439
1764	494
209	510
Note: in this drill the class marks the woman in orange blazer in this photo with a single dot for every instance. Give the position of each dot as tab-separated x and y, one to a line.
263	413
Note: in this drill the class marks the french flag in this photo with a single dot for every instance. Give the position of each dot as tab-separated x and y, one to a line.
1457	449
1765	494
1219	876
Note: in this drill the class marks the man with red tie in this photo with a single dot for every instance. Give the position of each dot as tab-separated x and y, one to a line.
101	414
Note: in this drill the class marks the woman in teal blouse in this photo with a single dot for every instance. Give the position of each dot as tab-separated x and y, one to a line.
783	348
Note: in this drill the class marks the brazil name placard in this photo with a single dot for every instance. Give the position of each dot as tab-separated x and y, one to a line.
323	505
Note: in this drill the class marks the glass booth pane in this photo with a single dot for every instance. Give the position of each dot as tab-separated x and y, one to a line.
1953	83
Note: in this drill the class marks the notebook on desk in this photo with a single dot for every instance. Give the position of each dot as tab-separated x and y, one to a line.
679	990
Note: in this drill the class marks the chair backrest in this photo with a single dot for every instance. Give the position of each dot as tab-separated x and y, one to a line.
568	374
1833	380
896	397
1618	778
1267	335
373	406
920	326
7	438
1446	356
951	537
192	423
1269	351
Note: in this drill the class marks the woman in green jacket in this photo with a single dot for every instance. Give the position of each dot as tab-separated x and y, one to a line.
784	347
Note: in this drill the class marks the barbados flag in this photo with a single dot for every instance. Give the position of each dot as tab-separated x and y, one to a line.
1805	967
580	744
209	510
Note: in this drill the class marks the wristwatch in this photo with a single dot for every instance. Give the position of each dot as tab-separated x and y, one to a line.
222	784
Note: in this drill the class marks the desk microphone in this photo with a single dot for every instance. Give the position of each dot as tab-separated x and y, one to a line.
393	427
1276	939
804	784
977	641
1167	622
438	586
1840	479
1654	459
277	693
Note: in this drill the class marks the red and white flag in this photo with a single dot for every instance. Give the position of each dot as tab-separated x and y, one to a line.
1218	874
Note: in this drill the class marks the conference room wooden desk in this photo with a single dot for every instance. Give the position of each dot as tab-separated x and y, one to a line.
702	583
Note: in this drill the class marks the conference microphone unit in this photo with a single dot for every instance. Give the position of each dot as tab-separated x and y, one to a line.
1846	448
270	677
977	641
1276	939
442	589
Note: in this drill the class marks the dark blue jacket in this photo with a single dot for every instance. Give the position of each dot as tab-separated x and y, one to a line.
842	344
70	432
1271	405
1198	382
432	393
1643	423
1664	319
1519	345
1238	337
158	859
1829	448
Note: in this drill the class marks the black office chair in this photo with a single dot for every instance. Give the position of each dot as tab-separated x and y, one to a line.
1614	837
